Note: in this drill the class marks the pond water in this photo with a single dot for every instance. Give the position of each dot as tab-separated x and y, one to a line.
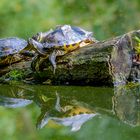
69	112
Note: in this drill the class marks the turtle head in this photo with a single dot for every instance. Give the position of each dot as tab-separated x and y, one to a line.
38	37
90	37
37	46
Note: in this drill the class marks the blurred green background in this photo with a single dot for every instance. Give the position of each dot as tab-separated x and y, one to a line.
106	18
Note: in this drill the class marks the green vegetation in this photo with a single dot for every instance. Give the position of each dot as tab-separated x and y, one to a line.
16	74
138	45
107	18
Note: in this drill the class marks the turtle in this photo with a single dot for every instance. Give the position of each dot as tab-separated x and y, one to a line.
10	49
60	41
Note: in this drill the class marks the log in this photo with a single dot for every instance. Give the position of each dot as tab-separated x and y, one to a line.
100	64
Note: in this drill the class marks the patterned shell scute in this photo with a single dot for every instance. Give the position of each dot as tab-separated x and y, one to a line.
9	46
66	35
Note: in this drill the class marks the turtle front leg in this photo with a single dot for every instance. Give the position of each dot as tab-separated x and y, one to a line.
52	59
53	56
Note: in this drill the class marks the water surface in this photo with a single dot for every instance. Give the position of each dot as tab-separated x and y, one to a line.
69	112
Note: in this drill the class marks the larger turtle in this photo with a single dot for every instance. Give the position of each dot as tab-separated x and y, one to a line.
11	50
58	42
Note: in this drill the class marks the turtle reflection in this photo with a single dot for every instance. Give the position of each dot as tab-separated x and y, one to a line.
63	111
73	106
13	102
73	114
14	98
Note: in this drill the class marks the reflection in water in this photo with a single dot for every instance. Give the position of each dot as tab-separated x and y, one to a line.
73	115
126	104
75	121
13	102
73	106
13	97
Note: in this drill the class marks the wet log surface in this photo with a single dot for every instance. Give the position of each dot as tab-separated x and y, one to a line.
101	64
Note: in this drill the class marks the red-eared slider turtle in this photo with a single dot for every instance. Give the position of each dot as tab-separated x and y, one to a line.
10	49
57	42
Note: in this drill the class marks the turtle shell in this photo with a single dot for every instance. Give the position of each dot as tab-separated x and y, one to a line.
66	35
9	48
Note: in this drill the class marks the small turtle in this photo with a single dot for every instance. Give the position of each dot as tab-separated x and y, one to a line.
58	42
10	49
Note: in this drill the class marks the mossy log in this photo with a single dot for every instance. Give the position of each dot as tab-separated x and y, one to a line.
104	63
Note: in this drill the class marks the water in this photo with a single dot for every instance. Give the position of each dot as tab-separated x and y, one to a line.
69	112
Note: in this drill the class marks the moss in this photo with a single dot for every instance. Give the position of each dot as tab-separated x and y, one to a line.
16	74
137	47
